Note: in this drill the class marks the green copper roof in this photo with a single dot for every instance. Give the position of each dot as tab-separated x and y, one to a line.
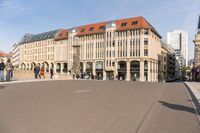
38	37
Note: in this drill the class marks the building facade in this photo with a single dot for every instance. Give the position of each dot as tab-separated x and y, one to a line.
197	45
179	41
126	49
167	63
37	49
15	55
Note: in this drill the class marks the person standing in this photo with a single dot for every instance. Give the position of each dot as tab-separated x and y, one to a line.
8	69
51	72
38	70
2	67
35	72
42	72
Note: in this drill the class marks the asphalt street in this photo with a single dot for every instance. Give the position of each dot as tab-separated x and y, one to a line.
96	107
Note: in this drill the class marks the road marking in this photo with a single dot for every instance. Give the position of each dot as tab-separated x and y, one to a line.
82	91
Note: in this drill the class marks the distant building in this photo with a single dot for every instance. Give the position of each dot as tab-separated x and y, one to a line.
167	67
191	61
15	55
197	45
5	56
179	41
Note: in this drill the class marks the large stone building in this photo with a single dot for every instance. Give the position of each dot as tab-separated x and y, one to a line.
179	41
15	55
127	48
197	45
37	49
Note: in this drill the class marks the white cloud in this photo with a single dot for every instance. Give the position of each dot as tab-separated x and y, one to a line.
13	7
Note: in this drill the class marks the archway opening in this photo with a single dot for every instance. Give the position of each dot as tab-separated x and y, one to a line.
99	70
121	70
89	67
135	70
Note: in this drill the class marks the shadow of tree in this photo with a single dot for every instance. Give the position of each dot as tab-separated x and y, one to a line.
178	107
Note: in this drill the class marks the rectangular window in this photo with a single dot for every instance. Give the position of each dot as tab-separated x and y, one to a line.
82	30
134	22
146	52
113	63
124	24
145	31
102	27
165	59
91	28
113	43
145	41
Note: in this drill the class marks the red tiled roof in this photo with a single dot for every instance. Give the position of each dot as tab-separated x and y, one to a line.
85	29
61	35
2	54
139	22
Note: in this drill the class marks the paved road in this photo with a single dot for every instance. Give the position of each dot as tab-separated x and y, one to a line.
96	107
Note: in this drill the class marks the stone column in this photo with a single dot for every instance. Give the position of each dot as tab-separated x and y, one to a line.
149	77
94	68
104	74
128	44
55	67
84	66
141	70
128	70
116	70
61	67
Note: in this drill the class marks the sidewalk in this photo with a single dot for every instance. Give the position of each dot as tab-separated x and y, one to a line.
194	90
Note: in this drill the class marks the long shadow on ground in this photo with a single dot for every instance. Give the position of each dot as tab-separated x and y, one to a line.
178	107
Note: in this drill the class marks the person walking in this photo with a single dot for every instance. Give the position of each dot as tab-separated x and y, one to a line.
2	67
42	72
38	70
51	72
35	72
8	69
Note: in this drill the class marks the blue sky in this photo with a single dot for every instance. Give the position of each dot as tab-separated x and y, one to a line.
18	17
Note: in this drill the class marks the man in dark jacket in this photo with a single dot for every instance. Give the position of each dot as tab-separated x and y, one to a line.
35	72
2	67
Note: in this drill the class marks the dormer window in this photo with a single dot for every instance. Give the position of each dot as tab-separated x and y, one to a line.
91	28
124	24
82	30
134	22
102	27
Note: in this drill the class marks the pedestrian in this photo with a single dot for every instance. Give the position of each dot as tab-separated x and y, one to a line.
51	72
38	70
8	69
42	72
2	67
12	71
35	72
